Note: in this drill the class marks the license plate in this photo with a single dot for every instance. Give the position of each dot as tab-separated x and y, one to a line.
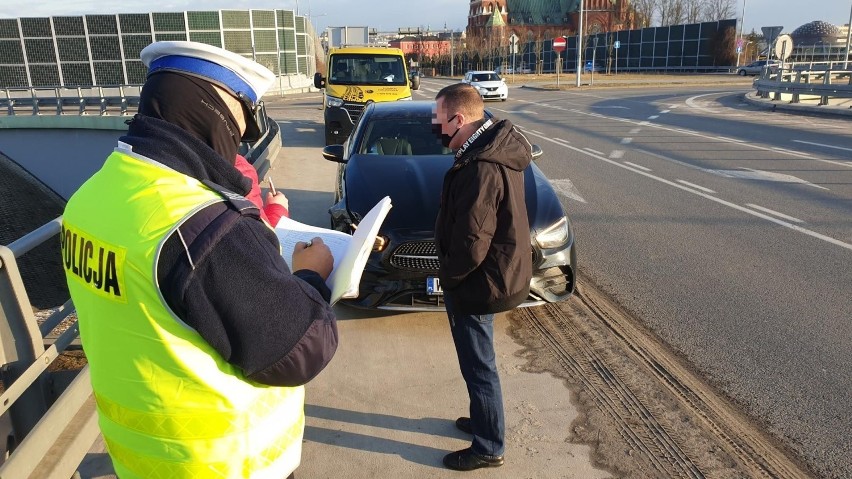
433	286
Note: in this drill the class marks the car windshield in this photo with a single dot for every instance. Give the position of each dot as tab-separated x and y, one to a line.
401	136
486	77
366	69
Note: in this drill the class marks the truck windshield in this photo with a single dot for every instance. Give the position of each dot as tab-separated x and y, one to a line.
366	69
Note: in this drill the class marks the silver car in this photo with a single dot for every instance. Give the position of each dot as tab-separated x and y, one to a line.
754	68
488	83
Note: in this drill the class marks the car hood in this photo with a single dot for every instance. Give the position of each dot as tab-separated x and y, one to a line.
487	84
414	186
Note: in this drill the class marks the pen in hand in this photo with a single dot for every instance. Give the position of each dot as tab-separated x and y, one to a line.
272	187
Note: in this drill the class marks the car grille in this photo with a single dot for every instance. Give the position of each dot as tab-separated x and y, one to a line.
416	256
354	110
492	88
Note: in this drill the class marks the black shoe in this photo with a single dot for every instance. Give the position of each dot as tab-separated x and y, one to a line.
463	425
467	460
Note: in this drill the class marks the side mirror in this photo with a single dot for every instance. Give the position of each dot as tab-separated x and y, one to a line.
319	81
415	82
333	153
536	152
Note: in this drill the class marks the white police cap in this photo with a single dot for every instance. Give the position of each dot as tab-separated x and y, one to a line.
234	72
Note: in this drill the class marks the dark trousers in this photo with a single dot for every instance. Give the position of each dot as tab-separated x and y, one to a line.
473	335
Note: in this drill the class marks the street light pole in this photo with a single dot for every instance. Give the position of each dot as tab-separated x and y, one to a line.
742	25
848	40
580	45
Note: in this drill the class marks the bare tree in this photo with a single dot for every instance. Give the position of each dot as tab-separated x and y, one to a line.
693	10
645	10
671	12
715	10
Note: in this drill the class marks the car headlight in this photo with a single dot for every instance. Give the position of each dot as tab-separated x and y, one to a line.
333	102
554	235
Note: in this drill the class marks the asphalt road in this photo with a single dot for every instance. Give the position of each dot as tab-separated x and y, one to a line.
725	229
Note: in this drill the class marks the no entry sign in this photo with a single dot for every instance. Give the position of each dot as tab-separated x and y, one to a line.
559	44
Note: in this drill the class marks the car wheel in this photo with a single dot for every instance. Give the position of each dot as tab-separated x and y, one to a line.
741	73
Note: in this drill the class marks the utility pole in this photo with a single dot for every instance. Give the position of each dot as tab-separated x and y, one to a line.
742	25
580	45
848	40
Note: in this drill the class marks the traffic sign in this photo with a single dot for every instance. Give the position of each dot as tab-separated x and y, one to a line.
559	44
513	44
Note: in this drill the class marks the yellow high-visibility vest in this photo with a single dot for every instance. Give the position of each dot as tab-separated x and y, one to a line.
169	405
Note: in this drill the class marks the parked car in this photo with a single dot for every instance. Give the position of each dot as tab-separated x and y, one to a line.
393	152
489	84
755	68
589	67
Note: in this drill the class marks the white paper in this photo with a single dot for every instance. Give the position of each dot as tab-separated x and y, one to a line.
350	252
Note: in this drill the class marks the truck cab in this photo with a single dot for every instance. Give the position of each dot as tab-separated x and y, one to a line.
358	76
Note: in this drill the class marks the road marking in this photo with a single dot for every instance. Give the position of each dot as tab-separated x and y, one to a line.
563	141
616	154
653	117
794	153
692	103
732	140
698	187
634	165
626	141
822	145
528	112
644	123
749	211
635	131
536	132
677	162
665	111
752	174
773	212
594	151
611	107
567	189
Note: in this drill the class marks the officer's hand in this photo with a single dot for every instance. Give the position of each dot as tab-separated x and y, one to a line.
315	257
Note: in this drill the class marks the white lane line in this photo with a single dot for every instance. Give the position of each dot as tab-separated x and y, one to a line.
567	189
665	111
626	141
536	132
822	145
697	187
692	103
635	131
594	151
653	117
773	219
841	163
677	162
634	165
563	141
732	140
527	112
794	153
775	213
644	123
616	154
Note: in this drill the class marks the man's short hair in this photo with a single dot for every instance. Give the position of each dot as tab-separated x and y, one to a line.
462	98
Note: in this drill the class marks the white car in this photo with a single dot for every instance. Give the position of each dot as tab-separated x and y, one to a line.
488	83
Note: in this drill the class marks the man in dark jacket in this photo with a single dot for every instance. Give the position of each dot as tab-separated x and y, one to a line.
483	240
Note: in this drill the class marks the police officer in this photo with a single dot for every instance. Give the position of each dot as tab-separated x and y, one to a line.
199	335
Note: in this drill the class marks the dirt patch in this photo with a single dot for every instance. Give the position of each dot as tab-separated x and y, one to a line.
645	413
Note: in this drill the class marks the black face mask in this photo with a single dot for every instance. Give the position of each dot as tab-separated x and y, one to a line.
445	138
194	105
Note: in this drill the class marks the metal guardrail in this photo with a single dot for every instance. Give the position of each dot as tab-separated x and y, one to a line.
60	100
802	80
37	425
51	435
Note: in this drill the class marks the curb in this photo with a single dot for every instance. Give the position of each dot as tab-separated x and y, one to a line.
752	99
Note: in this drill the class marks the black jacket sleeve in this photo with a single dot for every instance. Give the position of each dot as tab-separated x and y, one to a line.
241	297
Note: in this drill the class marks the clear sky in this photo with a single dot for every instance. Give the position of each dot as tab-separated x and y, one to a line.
388	15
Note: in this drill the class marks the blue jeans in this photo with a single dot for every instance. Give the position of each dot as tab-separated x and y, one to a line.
473	335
